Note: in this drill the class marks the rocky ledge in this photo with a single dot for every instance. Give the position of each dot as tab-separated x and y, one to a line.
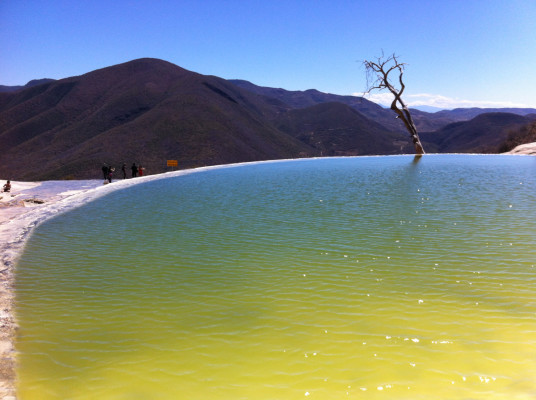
524	149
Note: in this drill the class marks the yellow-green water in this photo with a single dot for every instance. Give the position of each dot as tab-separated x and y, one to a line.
355	278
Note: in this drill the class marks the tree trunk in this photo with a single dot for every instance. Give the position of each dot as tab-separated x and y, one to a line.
405	116
381	70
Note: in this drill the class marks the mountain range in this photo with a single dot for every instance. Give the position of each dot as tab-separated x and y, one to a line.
148	111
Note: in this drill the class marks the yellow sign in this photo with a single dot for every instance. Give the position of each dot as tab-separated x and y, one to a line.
172	163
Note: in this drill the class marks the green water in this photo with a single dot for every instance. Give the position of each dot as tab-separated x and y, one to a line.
354	278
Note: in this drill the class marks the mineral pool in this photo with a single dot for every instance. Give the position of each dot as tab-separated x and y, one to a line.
338	278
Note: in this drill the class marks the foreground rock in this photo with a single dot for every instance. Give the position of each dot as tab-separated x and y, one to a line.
524	149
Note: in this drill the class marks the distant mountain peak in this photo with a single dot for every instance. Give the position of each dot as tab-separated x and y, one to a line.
35	82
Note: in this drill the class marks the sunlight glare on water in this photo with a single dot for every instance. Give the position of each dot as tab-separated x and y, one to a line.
364	278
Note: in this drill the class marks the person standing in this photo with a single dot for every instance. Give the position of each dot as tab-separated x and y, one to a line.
110	172
140	171
105	171
134	170
7	187
124	170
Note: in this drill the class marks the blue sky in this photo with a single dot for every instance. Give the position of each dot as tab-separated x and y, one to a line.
459	53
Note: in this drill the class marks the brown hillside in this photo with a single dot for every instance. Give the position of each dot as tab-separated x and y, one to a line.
425	121
482	134
148	111
312	97
144	111
521	135
338	129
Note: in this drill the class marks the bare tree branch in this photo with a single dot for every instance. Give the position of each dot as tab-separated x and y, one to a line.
378	72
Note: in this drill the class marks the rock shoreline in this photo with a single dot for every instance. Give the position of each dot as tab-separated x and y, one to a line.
528	149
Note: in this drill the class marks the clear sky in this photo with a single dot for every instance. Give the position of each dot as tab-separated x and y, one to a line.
459	53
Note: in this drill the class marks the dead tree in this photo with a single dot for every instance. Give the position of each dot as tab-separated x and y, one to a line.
378	79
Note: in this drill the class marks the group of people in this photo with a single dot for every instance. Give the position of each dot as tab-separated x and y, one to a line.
107	171
136	170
